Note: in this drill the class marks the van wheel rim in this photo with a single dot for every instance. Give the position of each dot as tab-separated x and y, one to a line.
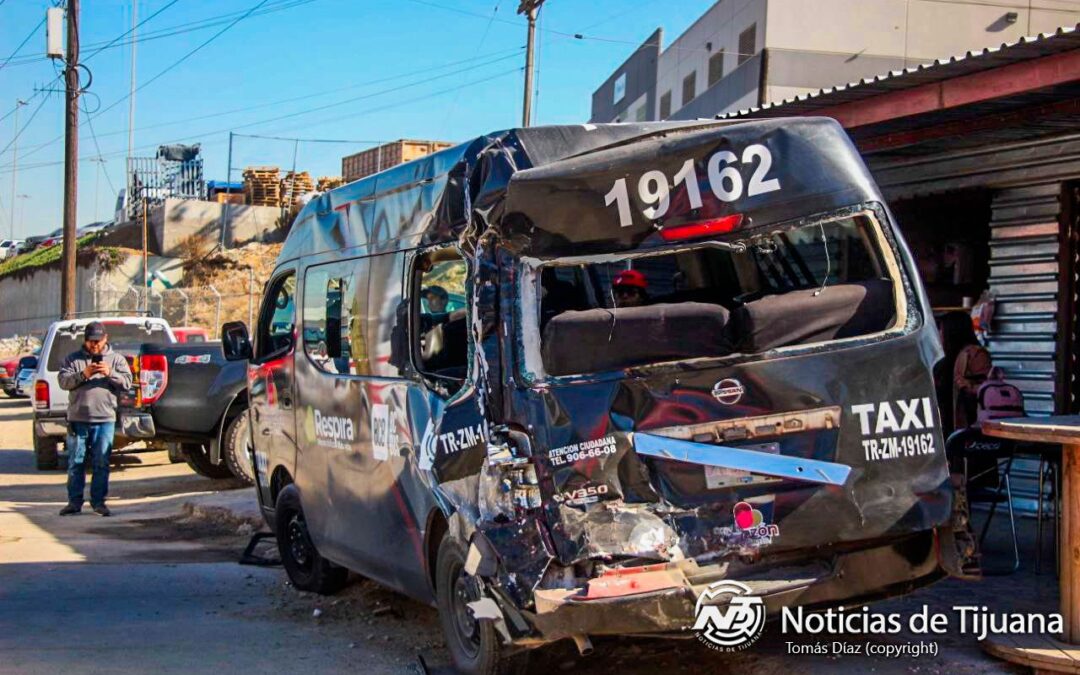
299	544
467	627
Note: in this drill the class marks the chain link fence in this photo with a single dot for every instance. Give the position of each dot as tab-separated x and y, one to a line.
204	306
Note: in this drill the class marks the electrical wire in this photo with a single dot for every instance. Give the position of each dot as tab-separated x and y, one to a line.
200	136
22	44
178	29
104	166
168	68
314	109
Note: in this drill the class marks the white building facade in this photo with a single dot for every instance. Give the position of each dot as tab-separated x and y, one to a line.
743	53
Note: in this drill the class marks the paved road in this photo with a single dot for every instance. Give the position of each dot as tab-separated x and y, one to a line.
153	589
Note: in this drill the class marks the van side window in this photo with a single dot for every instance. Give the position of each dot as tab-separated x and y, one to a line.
388	319
441	338
277	320
333	319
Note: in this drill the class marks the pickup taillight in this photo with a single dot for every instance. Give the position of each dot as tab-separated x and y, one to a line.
41	394
11	368
153	377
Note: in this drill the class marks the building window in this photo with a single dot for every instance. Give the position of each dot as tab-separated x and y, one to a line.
642	114
620	88
716	67
747	43
688	84
665	105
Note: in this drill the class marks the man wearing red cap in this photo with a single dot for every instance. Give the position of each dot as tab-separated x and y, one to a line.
631	289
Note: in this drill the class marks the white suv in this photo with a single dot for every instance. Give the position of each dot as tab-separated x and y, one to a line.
126	335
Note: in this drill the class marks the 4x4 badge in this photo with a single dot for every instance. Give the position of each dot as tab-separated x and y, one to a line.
729	391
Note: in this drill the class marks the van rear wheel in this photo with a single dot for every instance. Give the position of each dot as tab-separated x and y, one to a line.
475	646
307	570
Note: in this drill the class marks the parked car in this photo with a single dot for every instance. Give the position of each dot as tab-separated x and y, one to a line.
44	240
9	372
24	381
184	395
127	335
203	408
11	247
191	334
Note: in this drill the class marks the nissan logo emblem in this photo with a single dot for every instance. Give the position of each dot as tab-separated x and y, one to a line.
729	391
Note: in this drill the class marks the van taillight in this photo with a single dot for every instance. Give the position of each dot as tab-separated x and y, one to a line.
153	377
41	394
702	228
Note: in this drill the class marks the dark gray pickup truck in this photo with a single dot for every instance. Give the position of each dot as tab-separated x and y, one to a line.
202	413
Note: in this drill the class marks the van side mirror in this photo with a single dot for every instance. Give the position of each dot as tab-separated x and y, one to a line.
235	341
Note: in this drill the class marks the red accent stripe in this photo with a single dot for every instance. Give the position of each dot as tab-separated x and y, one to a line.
410	525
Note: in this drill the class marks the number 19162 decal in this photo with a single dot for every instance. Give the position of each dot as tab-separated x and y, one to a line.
725	181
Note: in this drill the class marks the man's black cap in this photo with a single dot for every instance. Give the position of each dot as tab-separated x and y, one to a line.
95	330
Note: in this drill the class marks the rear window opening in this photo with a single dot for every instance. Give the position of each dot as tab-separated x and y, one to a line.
66	342
816	283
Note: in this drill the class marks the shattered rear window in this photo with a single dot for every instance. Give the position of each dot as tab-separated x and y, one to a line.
774	289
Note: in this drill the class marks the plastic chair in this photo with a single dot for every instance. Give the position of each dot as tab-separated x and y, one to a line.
985	463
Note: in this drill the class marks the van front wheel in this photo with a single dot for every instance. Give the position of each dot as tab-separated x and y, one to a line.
475	646
307	570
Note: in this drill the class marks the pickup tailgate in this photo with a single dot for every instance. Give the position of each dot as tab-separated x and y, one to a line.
200	386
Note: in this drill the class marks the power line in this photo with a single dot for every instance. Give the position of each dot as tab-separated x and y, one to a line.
168	68
22	44
104	167
307	110
203	135
179	29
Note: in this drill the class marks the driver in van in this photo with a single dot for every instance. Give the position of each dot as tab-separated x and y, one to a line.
631	289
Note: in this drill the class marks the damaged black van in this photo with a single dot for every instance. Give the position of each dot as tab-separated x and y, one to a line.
561	381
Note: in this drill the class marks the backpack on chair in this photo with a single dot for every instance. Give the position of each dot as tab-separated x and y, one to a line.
998	399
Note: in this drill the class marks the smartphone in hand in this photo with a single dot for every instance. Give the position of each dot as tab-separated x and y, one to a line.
95	358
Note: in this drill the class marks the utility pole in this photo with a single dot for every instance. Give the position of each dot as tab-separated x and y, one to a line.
131	86
530	8
71	160
15	165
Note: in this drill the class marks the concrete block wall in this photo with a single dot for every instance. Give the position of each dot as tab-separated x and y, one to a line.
32	299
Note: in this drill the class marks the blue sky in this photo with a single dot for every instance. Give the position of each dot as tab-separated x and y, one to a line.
379	69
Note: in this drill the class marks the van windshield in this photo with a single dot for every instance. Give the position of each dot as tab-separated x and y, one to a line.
830	280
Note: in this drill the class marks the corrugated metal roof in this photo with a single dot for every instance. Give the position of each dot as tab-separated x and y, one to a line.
1043	44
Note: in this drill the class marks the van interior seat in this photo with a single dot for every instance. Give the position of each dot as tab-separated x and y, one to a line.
594	340
805	316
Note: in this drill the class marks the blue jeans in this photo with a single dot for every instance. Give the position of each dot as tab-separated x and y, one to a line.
98	437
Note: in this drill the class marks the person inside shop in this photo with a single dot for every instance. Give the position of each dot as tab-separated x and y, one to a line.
958	376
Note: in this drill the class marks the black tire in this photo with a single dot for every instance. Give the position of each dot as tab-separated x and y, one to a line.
236	447
307	570
475	646
176	453
45	453
198	458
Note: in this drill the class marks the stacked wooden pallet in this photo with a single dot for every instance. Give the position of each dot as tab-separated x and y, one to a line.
262	185
325	183
294	185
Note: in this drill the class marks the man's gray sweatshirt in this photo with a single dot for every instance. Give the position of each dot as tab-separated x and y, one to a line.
93	399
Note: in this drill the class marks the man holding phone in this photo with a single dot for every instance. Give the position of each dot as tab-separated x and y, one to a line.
94	376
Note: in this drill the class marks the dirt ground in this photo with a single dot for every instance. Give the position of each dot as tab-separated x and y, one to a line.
168	520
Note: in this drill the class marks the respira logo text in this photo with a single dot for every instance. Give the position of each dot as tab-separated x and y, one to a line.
730	626
333	428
